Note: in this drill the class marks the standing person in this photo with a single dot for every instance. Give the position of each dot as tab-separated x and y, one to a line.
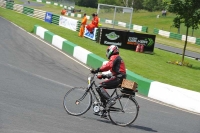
163	14
83	23
117	67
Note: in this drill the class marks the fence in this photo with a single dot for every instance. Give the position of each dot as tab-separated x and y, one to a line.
117	23
167	34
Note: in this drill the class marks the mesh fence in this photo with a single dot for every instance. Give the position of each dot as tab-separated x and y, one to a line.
64	2
115	15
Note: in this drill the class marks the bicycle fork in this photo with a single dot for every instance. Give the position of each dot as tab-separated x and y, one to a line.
78	101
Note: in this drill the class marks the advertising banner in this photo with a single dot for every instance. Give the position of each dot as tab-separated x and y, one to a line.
89	35
127	40
112	37
48	17
144	42
68	23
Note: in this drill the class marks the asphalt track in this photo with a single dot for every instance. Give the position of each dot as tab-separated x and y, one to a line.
34	78
178	51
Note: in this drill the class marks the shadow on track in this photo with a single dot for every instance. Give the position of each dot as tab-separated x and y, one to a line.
107	121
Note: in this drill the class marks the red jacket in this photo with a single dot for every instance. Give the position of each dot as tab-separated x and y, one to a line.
115	65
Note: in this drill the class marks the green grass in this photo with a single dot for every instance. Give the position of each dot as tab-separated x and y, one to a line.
150	66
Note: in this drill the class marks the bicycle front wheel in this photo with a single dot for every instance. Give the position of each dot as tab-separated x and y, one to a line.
124	112
77	101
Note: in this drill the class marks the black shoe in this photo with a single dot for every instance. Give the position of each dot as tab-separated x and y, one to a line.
110	104
97	113
104	115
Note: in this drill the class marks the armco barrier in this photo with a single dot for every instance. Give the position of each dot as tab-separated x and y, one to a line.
164	33
50	2
198	41
155	31
190	39
172	35
175	36
145	29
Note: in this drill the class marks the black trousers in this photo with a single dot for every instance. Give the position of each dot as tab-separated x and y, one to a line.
111	83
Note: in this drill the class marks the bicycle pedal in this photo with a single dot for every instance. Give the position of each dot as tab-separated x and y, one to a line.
97	113
104	116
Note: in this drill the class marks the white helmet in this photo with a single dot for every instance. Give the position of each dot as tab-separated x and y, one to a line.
112	50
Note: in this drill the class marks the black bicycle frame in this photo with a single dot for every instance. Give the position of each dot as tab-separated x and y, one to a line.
90	88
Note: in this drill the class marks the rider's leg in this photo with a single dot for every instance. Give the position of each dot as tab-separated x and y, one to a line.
110	102
106	99
110	84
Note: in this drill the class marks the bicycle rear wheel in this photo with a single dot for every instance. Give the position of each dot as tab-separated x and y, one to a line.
77	101
124	112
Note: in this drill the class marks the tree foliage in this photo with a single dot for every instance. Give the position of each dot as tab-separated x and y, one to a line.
137	4
187	12
87	3
111	2
152	5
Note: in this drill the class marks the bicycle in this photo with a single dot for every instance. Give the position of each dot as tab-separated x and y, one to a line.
79	100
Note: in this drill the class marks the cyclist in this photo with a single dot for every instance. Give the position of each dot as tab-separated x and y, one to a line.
117	67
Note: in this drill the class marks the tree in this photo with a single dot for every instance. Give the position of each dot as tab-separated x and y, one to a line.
111	2
137	4
152	5
188	12
87	3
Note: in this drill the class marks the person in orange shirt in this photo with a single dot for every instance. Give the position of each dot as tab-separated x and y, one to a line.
63	12
83	23
94	23
96	20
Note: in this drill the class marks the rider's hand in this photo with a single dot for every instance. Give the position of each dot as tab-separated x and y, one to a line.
95	71
102	76
99	76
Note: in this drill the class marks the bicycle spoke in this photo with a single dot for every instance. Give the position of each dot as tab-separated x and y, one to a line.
124	112
77	101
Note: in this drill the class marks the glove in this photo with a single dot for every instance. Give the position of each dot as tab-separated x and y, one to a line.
95	71
102	76
99	76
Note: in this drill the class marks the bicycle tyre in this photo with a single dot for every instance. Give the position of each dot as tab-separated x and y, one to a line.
130	108
70	101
